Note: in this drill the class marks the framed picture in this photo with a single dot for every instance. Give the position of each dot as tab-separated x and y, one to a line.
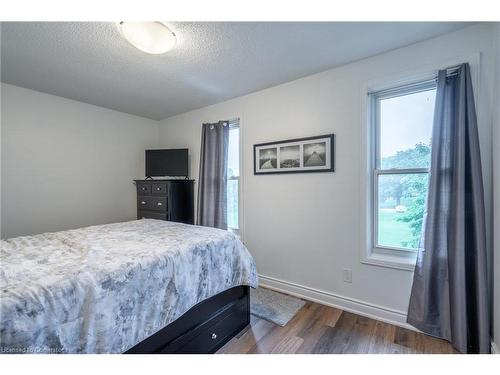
312	154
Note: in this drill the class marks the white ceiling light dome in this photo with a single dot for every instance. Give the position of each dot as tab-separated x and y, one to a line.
150	37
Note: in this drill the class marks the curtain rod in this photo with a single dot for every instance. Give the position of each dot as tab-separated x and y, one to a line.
226	122
450	72
454	68
230	120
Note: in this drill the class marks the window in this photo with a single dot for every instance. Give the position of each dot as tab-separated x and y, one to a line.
402	119
233	176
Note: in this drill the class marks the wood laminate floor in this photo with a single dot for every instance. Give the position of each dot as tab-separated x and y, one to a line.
322	329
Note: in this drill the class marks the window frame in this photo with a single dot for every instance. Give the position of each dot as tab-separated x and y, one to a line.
414	72
375	97
235	124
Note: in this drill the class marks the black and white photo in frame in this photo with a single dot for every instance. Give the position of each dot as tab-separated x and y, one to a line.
311	154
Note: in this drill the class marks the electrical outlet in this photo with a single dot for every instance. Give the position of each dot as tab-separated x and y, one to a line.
347	273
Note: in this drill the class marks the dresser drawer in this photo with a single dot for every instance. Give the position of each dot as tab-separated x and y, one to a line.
143	188
151	215
152	203
212	334
159	189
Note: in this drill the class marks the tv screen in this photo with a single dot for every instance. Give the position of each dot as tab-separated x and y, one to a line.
172	162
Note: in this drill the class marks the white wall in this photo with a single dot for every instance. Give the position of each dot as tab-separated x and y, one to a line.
304	229
496	198
67	164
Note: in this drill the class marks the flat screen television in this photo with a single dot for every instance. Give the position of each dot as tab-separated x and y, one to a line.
170	162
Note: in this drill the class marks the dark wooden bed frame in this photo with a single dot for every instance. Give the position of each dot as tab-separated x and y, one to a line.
204	328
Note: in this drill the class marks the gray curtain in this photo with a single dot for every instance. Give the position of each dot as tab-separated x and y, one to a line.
212	184
449	297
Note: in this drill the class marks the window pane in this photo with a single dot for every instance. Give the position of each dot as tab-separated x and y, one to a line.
233	170
406	129
232	204
233	154
401	205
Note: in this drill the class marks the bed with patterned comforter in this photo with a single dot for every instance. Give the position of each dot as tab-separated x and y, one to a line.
105	288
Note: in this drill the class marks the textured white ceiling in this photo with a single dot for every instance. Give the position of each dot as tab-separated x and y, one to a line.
212	62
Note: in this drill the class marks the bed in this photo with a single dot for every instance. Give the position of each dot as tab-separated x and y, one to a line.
142	286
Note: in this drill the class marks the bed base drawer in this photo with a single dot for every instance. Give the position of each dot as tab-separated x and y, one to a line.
203	329
212	334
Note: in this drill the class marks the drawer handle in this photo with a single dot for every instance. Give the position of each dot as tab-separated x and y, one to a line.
214	336
143	188
143	202
159	204
158	189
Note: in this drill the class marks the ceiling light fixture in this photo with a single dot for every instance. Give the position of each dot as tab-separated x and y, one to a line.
149	37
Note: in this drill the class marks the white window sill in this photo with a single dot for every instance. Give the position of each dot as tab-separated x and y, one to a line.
399	260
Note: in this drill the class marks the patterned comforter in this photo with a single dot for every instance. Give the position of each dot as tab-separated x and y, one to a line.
103	289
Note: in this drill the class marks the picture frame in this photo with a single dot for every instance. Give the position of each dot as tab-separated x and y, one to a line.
299	155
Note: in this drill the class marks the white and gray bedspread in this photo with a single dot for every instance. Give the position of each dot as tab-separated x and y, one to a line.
103	289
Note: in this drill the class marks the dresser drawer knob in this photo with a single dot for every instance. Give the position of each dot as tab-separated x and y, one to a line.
159	204
214	336
143	202
158	189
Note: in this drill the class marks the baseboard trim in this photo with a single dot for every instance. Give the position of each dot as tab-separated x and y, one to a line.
494	348
352	305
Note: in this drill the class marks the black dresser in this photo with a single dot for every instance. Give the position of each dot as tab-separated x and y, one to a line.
171	200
